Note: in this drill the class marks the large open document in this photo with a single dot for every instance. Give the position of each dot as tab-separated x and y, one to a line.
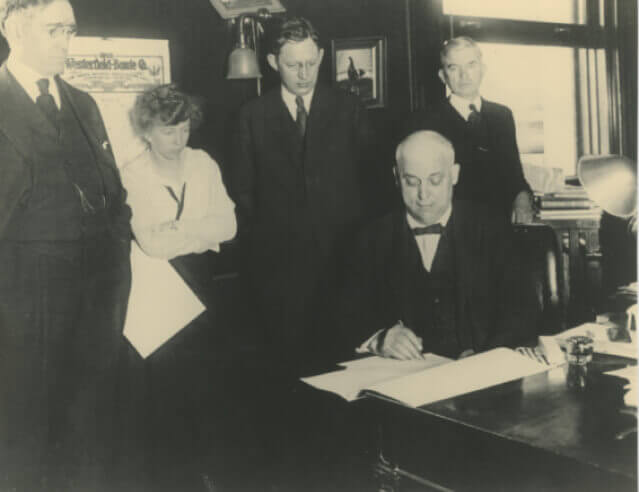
420	382
366	373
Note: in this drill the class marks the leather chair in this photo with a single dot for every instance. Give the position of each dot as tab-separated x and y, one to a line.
543	265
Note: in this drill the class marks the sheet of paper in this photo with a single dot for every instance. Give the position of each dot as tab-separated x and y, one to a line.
363	373
114	71
473	373
376	362
621	349
160	304
551	349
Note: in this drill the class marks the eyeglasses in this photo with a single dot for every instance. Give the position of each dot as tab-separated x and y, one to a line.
59	31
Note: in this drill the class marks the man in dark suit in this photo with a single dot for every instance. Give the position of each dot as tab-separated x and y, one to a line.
435	275
64	262
482	133
297	185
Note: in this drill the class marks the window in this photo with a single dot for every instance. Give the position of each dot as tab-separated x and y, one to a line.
546	60
562	11
540	85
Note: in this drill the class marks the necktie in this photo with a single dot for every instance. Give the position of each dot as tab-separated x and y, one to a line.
46	102
474	117
179	201
431	229
302	115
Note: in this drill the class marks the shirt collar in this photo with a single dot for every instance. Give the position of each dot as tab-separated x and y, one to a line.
463	105
150	170
443	220
28	78
289	100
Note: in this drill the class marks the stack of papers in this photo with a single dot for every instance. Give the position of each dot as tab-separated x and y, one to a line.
420	382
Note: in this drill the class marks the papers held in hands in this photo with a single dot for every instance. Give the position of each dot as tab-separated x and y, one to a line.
420	382
160	304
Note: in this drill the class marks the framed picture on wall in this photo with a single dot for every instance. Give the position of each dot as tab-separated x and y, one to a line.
359	67
232	8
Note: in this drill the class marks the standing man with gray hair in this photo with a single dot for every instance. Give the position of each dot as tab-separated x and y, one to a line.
64	263
482	133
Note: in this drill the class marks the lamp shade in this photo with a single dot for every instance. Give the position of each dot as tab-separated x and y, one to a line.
243	64
611	182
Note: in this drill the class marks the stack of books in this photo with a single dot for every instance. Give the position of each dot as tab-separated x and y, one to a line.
572	202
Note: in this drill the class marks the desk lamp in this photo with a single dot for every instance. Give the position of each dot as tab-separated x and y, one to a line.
611	182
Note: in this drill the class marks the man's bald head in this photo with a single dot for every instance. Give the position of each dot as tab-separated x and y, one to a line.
426	172
422	141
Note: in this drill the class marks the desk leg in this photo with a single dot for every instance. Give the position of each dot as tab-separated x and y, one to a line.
386	475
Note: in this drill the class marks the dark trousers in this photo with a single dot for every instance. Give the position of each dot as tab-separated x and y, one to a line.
62	306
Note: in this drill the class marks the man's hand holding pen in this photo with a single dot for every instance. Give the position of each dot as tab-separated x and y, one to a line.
400	342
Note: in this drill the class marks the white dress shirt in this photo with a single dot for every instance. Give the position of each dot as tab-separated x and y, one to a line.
289	100
462	106
427	245
28	79
208	216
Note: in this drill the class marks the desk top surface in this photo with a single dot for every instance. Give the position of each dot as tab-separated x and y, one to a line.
546	412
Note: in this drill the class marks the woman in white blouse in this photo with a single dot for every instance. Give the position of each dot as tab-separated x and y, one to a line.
176	193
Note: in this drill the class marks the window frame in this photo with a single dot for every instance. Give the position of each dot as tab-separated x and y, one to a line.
495	30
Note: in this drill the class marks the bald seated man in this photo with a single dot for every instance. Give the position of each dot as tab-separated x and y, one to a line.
434	275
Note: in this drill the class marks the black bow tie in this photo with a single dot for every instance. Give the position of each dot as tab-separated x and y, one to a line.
431	229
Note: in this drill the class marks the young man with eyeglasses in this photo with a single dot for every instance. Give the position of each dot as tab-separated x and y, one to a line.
297	181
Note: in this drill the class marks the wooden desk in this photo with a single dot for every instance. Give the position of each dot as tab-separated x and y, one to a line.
534	434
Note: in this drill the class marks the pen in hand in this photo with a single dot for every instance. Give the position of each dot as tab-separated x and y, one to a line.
415	340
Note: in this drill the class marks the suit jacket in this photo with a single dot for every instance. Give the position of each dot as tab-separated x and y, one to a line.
294	198
494	306
20	121
491	170
285	188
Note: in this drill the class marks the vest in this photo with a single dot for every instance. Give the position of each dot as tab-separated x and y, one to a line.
300	212
432	306
69	194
